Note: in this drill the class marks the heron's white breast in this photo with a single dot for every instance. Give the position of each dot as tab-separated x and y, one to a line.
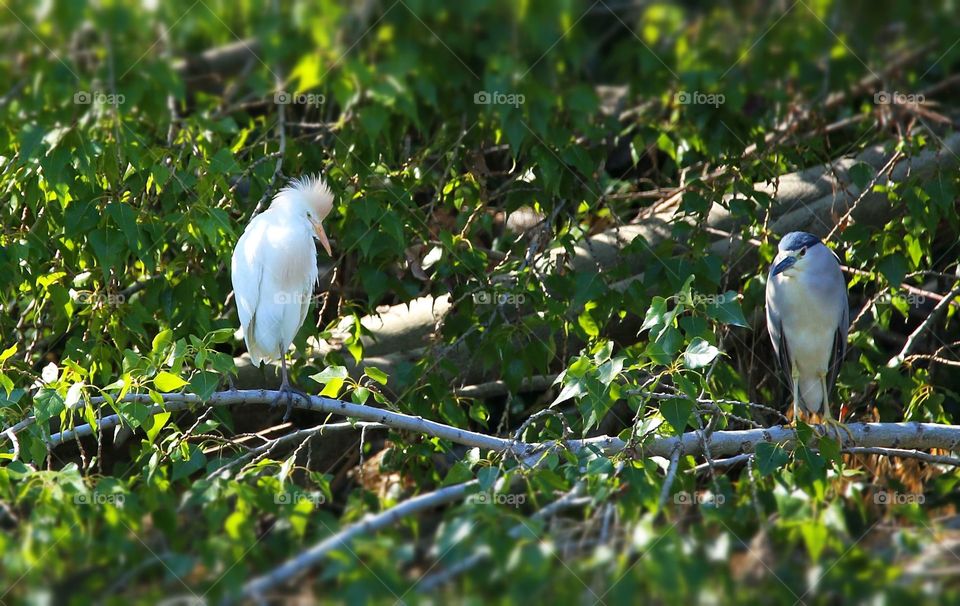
809	322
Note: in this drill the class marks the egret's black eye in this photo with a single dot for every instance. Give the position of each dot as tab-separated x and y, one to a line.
802	252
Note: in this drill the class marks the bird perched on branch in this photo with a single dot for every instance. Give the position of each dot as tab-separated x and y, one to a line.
808	319
274	270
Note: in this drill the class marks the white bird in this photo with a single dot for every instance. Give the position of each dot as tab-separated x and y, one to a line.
274	271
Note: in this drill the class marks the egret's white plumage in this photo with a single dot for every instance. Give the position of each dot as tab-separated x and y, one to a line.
274	268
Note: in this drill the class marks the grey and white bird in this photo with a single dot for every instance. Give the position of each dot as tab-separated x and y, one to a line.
808	319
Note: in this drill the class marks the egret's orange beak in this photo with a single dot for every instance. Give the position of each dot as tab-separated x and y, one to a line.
322	236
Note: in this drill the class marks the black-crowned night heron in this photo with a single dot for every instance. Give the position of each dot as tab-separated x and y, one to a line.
808	318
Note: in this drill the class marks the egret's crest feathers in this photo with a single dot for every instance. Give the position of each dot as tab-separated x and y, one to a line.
313	190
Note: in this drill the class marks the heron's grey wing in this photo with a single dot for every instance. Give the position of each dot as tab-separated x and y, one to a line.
779	341
839	343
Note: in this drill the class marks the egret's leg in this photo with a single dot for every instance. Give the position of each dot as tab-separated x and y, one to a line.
828	420
286	391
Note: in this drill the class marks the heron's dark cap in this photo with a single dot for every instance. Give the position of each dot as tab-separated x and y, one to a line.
796	240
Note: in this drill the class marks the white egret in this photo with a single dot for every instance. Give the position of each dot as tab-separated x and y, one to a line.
274	271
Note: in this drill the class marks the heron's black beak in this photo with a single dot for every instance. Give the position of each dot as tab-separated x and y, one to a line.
783	265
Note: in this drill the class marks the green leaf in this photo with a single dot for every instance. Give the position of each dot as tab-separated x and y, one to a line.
893	267
184	466
329	373
573	389
830	448
655	314
204	383
376	374
222	162
487	477
360	395
610	370
332	378
699	353
815	535
7	384
677	412
8	352
728	310
222	335
861	173
161	341
154	424
770	457
47	404
167	382
588	324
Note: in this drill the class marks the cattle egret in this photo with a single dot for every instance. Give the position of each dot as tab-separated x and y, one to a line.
808	319
274	270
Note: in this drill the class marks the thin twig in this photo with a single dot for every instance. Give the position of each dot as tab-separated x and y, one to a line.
914	337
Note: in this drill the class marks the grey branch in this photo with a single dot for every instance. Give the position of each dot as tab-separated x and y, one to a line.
921	436
296	565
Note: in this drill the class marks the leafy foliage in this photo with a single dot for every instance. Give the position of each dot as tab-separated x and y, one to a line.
129	173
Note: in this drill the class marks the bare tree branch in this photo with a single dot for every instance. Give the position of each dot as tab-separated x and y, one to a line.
921	436
298	564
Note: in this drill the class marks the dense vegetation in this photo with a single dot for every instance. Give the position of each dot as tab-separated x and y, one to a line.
563	213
